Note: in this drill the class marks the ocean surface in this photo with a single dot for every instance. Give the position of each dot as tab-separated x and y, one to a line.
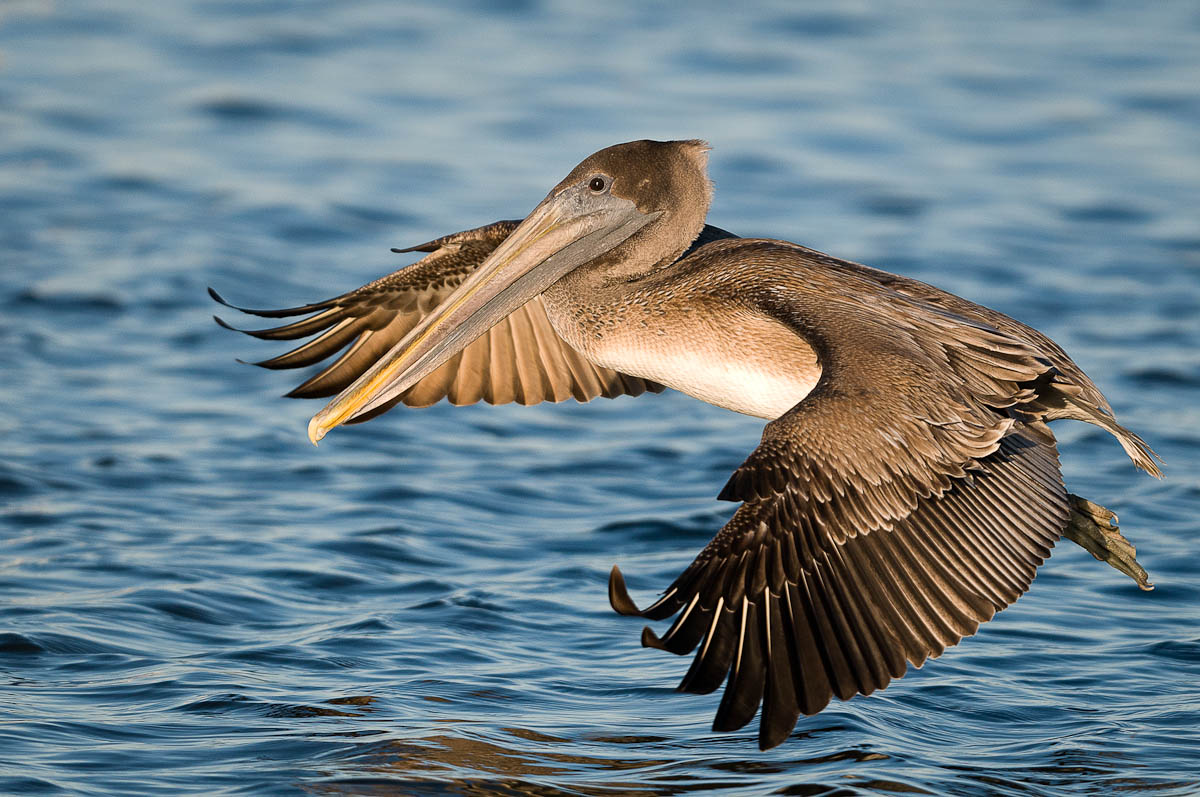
194	600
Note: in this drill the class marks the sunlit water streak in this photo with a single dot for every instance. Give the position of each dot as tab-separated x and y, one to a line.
193	600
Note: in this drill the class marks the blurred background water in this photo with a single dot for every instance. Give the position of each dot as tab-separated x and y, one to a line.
194	600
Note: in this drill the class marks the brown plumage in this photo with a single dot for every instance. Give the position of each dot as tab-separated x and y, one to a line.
905	490
519	360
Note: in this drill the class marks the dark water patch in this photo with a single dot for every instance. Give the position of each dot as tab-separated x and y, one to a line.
185	611
742	62
820	24
312	233
1162	102
656	530
298	43
1152	377
376	215
63	644
19	645
206	607
89	21
381	533
66	301
381	555
894	205
224	704
19	785
237	704
27	520
1107	213
395	492
1185	244
133	183
370	625
505	8
302	711
1184	651
354	650
892	787
309	580
637	741
246	110
40	156
420	787
289	658
999	83
13	484
816	790
79	121
654	453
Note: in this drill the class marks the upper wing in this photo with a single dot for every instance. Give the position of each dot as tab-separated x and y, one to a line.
521	359
907	499
1077	395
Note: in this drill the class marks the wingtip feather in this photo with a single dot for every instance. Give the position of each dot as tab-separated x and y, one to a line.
651	639
618	595
730	491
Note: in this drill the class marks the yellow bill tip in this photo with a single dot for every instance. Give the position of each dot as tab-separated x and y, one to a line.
316	429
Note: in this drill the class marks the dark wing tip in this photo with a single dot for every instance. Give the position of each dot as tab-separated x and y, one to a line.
284	313
730	491
773	735
618	595
262	334
428	246
652	640
220	321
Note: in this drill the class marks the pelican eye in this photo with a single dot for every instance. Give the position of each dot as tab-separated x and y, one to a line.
597	184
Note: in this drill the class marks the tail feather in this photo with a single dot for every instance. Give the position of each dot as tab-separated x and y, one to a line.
1142	454
1064	402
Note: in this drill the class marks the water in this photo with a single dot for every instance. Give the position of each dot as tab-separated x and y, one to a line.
194	600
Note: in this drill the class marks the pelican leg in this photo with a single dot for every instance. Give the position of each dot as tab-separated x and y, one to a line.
1094	528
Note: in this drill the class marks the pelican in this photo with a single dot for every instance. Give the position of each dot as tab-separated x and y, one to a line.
906	488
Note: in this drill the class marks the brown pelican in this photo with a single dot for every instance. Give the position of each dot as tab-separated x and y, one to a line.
906	488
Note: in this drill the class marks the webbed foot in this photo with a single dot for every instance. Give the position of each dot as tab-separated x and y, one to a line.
1095	529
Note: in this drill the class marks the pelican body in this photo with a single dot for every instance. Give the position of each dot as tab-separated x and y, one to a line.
906	487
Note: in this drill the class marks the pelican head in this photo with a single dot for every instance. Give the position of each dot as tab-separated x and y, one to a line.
624	210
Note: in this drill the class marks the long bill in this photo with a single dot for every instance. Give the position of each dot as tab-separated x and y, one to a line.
566	230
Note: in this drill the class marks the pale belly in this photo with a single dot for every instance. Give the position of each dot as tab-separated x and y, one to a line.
724	380
748	363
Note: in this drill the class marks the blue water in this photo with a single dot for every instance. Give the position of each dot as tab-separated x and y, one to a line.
195	600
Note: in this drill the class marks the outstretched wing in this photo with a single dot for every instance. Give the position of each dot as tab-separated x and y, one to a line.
1077	395
520	360
902	503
